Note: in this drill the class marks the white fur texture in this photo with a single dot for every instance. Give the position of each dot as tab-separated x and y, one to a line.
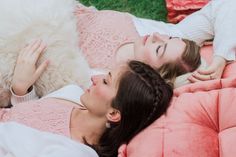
52	21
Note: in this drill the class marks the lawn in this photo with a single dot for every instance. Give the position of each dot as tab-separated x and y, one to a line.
154	9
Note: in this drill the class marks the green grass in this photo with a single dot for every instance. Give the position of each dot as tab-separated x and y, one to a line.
153	9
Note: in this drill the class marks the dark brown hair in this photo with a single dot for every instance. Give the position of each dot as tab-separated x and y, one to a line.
142	97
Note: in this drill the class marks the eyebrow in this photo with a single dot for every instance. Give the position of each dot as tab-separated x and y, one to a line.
167	44
110	76
173	37
164	50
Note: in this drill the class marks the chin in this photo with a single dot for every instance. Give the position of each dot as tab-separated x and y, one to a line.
83	97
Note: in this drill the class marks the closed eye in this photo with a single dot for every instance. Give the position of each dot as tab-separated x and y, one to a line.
157	50
162	51
104	81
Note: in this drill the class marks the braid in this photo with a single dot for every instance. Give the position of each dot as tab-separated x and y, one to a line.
158	87
142	97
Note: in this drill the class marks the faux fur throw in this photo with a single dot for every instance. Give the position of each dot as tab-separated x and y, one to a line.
52	21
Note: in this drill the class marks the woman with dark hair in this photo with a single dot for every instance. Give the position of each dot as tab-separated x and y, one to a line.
111	112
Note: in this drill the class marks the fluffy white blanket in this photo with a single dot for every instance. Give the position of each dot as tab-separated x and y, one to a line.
54	22
17	140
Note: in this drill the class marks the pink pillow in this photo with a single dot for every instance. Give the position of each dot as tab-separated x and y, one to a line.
178	9
201	121
198	123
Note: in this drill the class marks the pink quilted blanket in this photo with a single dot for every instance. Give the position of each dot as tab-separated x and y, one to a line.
200	122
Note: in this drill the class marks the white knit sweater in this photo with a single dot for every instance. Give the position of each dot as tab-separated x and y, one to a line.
214	21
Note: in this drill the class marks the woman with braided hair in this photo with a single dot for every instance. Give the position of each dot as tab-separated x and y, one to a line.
111	112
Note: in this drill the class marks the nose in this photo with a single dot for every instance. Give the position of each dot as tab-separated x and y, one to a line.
160	37
93	79
96	78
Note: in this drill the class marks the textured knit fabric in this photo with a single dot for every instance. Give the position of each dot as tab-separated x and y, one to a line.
15	99
101	33
70	92
49	114
215	20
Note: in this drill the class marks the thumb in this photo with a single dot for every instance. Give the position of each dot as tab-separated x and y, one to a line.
41	69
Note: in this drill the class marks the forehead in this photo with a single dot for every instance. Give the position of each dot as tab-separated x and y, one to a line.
175	46
117	72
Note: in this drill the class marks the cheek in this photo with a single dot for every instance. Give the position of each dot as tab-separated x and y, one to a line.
137	50
148	56
103	95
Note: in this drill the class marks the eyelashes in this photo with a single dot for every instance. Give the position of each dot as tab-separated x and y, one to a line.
157	50
104	81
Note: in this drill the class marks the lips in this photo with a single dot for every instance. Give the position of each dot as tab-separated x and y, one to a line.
89	89
145	39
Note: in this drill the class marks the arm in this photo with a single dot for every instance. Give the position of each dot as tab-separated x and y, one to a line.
198	26
224	43
26	72
213	71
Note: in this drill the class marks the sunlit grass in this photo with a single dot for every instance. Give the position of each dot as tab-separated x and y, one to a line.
154	9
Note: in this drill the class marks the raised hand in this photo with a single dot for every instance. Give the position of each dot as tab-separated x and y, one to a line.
26	72
213	71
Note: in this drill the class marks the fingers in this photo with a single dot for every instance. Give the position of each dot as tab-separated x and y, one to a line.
30	48
32	51
33	47
214	71
207	71
196	77
202	74
38	51
42	67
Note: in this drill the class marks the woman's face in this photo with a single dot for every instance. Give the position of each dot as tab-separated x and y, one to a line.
157	49
97	99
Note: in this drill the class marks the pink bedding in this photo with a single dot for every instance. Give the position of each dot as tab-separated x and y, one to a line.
201	122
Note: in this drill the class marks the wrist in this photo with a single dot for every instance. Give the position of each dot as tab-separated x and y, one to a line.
20	90
219	60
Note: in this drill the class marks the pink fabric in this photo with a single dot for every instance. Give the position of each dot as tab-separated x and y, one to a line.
101	33
52	115
179	9
200	122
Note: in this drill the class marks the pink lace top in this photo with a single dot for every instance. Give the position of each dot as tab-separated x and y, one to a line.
49	114
101	33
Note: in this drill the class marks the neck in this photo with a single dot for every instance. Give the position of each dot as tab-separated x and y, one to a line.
86	126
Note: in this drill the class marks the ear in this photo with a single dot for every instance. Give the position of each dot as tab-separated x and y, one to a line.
113	115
